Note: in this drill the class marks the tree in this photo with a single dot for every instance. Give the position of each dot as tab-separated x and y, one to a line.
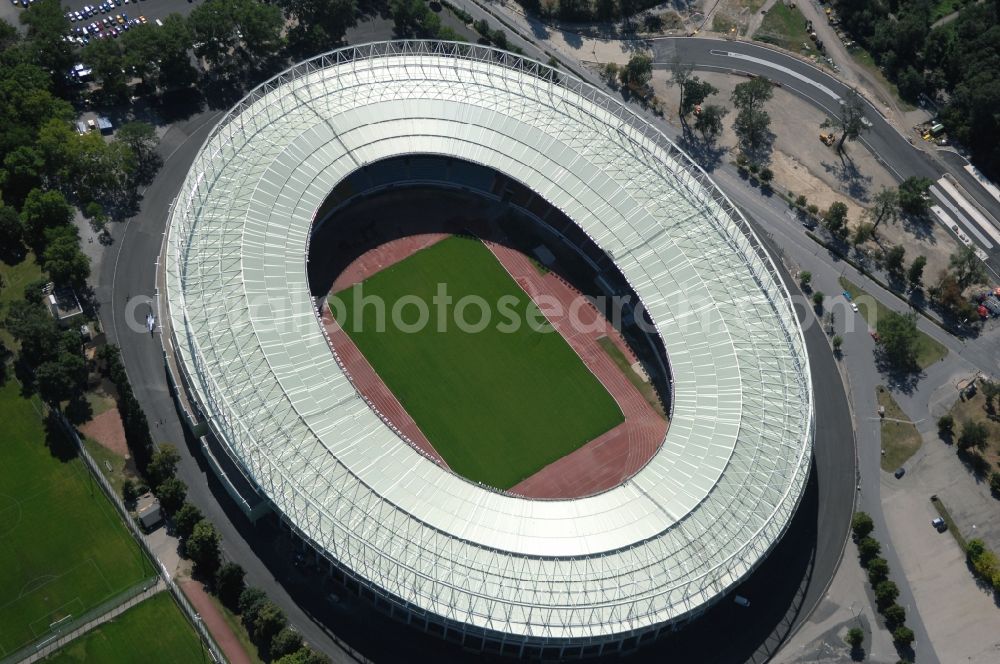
878	571
232	34
285	642
605	10
851	122
946	426
203	548
62	378
10	234
43	210
64	261
637	72
185	518
130	491
902	636
895	258
915	274
899	337
709	121
36	331
229	585
108	62
886	593
163	465
251	599
141	138
913	196
861	525
412	18
319	23
269	621
805	279
895	615
885	208
974	435
752	124
695	92
304	655
835	219
171	493
46	26
680	74
868	548
967	267
995	483
817	299
948	294
837	341
855	637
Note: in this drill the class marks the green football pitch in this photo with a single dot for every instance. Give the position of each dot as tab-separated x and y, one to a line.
498	405
63	547
152	632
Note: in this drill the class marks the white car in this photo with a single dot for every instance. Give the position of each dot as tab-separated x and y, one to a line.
854	307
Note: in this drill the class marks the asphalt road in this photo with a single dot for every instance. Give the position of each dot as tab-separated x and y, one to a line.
823	91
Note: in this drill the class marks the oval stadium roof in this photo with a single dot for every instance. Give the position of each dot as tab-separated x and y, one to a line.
660	547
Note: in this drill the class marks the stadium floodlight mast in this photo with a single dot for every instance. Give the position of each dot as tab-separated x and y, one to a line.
563	577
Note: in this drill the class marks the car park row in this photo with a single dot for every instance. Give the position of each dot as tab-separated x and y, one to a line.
108	26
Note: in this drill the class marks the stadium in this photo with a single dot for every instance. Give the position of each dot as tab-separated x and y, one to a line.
248	341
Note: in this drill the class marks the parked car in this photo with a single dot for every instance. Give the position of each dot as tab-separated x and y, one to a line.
899	472
939	524
742	601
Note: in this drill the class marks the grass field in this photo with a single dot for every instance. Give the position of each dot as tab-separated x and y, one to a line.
785	27
900	439
646	389
15	278
929	350
152	632
498	406
63	548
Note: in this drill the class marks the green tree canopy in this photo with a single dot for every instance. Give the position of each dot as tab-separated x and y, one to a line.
913	196
899	338
915	274
203	548
185	518
163	465
229	585
709	121
967	267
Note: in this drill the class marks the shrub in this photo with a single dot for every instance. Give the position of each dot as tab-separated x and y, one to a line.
285	642
766	175
995	483
878	571
838	341
805	278
895	615
902	636
868	548
855	637
801	201
946	426
130	491
862	525
813	209
886	593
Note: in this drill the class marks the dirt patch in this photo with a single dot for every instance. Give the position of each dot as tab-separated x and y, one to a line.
805	166
215	622
106	428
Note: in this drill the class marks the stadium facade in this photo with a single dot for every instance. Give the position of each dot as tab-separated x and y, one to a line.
506	574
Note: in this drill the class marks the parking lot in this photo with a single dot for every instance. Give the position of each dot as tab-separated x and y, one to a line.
151	9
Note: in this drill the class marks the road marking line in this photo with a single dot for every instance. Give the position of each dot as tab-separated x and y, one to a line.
786	70
970	209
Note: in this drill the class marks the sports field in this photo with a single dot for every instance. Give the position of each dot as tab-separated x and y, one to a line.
63	548
498	405
152	632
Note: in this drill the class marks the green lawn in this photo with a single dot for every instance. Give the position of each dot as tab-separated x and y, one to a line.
152	632
497	404
15	278
646	389
929	350
900	439
63	548
784	26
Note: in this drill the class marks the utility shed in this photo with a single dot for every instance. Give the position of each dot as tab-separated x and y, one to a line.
148	512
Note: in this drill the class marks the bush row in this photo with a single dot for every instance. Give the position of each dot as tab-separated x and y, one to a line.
886	592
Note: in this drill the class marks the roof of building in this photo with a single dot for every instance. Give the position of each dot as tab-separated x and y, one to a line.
696	519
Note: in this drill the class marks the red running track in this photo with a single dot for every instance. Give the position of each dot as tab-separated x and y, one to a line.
600	464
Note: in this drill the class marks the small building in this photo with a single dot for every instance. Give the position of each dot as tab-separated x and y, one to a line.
104	124
62	303
148	512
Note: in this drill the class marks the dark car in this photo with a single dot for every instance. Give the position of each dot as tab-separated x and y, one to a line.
899	472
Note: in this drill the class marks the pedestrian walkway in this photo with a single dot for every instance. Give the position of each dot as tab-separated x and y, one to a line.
57	644
216	623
